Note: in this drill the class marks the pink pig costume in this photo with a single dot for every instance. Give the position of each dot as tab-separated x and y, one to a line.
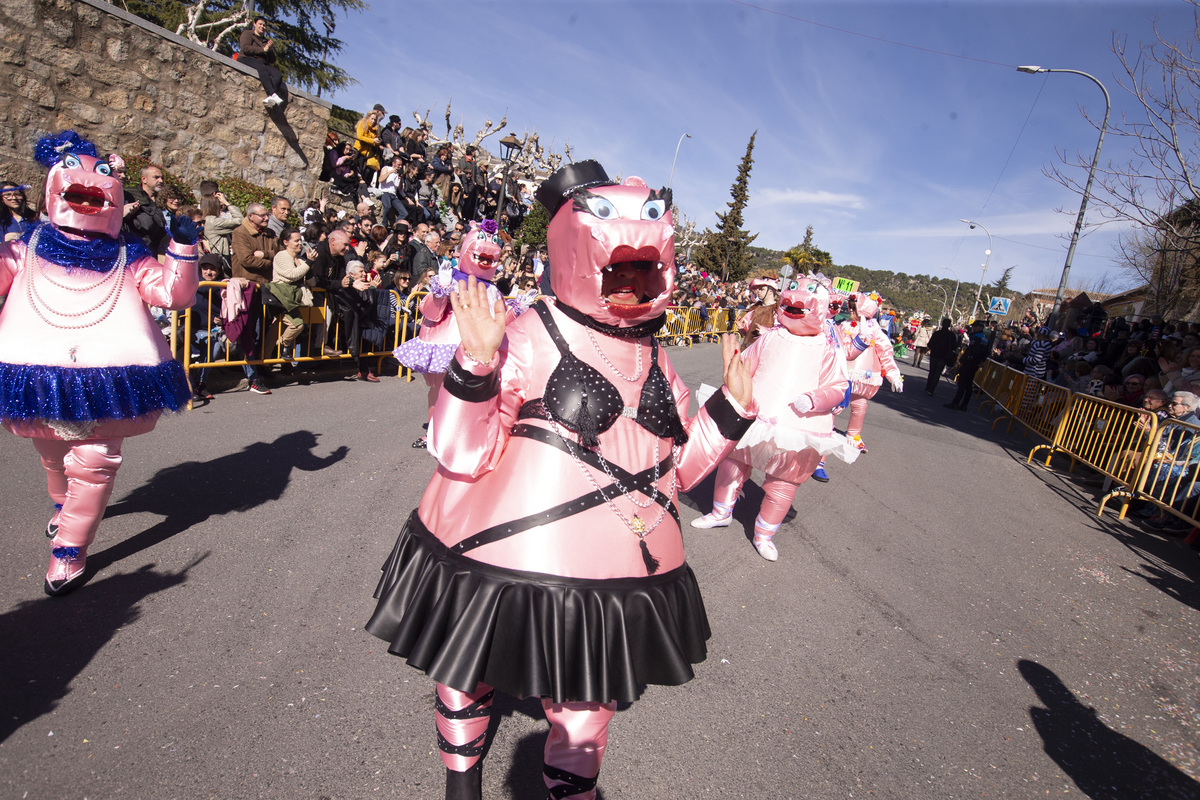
431	352
800	376
872	359
545	558
82	364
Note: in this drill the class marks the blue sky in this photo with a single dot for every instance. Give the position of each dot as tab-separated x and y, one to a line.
881	148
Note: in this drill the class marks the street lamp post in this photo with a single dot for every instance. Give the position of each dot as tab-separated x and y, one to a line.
676	158
1087	190
953	302
987	260
509	144
944	298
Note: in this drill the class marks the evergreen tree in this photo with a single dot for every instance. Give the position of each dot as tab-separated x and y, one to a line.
302	30
533	228
1000	288
806	257
725	250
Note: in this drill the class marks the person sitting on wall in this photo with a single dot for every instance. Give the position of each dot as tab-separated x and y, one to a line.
258	53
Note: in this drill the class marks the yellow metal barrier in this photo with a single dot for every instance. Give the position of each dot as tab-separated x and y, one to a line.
1111	438
1167	472
1007	386
214	349
1039	407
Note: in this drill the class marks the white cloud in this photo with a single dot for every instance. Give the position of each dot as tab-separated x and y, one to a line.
801	197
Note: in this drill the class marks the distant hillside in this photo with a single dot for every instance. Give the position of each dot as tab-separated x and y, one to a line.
907	293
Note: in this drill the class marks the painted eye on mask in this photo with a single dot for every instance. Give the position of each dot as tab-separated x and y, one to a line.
103	168
654	209
70	162
601	208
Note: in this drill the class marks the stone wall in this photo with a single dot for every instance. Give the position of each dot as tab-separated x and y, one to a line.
133	88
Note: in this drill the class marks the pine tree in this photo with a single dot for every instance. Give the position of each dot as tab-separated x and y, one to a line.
1001	287
532	233
302	30
724	251
806	257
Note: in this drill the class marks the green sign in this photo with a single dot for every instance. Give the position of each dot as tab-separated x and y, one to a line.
845	285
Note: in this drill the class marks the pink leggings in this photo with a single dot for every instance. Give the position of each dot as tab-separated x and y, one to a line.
731	474
574	748
79	477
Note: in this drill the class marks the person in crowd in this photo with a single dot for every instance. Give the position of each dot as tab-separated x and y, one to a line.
1178	451
366	142
1133	387
943	349
920	343
15	214
82	364
145	218
208	338
221	219
281	207
288	271
355	301
346	179
472	183
762	314
524	559
414	147
328	268
257	51
253	256
443	172
969	363
389	139
391	184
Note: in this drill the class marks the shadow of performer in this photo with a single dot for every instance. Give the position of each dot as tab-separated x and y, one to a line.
189	493
1104	764
45	648
278	116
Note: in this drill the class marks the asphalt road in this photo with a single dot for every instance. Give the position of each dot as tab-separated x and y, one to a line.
944	622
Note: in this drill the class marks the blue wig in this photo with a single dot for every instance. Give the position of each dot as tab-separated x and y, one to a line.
49	150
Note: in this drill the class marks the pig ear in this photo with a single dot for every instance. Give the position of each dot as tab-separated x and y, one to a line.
634	180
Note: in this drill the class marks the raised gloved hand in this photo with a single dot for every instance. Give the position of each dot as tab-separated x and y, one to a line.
445	275
802	404
897	381
183	230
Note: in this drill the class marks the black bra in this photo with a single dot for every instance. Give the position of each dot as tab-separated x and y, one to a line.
586	403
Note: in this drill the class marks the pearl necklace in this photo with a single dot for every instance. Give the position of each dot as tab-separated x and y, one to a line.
637	346
38	304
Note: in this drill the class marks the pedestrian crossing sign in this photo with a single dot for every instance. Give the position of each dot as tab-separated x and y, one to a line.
999	306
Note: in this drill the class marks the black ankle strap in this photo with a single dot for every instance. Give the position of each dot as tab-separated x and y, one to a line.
572	783
480	708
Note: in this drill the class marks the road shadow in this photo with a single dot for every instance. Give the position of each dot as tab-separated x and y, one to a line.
189	493
48	642
1167	563
1101	762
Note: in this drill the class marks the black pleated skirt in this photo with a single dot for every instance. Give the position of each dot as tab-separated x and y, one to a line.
529	634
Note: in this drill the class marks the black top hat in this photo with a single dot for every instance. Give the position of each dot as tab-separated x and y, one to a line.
555	190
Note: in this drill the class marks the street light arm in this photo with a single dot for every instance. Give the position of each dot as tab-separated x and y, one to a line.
671	179
1087	189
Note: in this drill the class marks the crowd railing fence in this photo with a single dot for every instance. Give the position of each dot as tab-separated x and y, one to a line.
1167	471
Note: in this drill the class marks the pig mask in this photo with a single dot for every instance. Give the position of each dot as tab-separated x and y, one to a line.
595	224
479	254
82	196
802	312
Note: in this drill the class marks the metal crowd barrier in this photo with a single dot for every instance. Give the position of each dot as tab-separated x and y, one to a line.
1167	472
1006	384
685	325
214	349
1039	407
1111	438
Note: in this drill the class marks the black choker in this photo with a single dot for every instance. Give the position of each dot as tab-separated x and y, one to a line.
647	328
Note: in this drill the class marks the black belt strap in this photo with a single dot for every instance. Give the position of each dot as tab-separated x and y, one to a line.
572	783
641	481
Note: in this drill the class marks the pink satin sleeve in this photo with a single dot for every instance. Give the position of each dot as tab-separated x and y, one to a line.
171	284
831	391
468	438
11	255
434	308
706	446
885	354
